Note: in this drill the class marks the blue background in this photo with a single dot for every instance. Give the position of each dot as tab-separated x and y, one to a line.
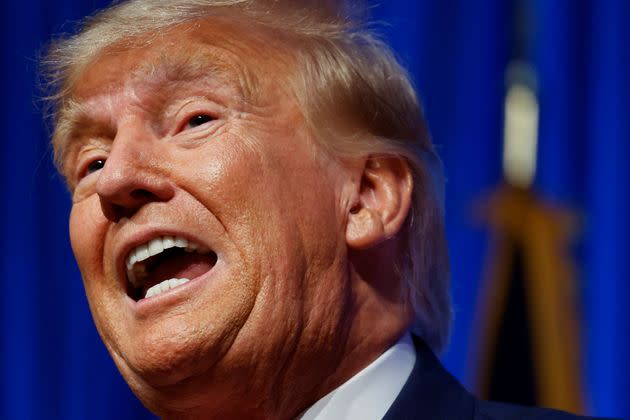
52	363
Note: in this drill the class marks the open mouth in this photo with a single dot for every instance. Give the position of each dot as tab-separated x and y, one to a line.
165	263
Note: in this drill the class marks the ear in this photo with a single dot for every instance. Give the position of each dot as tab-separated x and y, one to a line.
382	202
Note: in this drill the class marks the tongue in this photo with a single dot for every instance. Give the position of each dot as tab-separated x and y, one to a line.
181	266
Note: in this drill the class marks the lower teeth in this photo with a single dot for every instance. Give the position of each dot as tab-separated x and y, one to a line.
164	286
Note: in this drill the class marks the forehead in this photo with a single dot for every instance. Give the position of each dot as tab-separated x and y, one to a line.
216	49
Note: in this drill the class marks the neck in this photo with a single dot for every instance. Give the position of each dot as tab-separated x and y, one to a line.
377	322
327	351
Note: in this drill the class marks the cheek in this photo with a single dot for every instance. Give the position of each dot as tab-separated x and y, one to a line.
87	236
277	202
88	229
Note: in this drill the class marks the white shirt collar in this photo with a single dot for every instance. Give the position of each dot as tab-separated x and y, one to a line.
372	391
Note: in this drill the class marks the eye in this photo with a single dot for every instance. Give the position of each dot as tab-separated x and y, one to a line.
94	166
198	120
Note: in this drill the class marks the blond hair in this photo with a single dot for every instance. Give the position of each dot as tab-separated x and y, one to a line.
343	69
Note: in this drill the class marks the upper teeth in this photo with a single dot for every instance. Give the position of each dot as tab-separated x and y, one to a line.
154	247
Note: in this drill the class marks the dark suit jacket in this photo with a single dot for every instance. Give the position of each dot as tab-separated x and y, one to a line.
431	393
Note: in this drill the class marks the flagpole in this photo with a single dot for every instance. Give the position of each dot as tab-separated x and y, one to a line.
530	243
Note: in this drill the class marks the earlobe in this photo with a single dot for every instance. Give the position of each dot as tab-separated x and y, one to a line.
382	204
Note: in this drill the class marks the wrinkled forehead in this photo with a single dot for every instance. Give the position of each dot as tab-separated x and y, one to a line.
184	53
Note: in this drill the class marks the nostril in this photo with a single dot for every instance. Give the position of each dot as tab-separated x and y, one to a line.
125	192
112	212
143	196
125	207
115	212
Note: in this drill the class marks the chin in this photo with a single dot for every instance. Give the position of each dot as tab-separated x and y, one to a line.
179	385
170	355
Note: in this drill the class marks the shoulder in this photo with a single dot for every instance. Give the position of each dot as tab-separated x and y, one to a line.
432	393
488	410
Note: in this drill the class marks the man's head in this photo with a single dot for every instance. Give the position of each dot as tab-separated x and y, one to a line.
284	142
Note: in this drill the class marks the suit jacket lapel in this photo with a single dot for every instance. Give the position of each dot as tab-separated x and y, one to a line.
431	392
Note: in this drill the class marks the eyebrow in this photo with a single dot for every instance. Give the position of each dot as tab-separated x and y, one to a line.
194	67
155	74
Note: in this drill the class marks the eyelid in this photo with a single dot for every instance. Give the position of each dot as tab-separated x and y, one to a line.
180	113
84	160
82	171
185	120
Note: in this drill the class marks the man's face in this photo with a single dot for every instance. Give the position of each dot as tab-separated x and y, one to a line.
202	141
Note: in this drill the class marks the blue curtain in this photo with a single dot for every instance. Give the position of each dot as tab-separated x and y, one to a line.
52	362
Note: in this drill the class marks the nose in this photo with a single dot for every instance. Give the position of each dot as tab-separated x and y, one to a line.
133	175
